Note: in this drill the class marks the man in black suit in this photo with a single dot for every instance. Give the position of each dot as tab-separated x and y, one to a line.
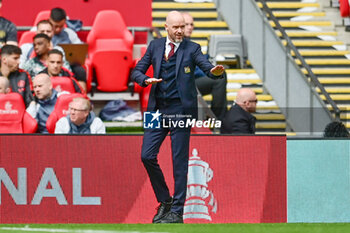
174	95
205	85
239	120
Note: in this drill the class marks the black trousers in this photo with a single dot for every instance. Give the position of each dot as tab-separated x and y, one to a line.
180	140
217	88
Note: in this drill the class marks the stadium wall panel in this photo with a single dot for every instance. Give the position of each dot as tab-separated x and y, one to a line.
100	179
318	180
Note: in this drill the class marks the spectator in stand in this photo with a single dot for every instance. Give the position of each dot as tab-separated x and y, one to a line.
80	120
62	34
20	80
45	27
205	85
65	35
4	85
55	68
41	44
45	100
8	31
38	63
336	129
239	120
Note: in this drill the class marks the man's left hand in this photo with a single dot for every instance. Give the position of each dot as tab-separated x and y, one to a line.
217	70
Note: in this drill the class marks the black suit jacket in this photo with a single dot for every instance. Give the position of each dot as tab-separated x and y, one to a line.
238	121
189	55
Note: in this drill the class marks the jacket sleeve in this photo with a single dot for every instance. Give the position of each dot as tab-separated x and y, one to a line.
28	96
138	74
62	126
97	126
202	62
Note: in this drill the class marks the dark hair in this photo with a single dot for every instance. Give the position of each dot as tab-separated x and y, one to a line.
55	51
58	14
44	21
42	35
10	49
336	129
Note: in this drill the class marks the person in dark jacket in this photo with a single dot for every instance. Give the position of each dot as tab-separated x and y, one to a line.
336	129
45	100
206	85
239	119
55	68
20	80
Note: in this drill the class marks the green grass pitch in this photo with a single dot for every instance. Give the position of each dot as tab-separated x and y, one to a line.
180	228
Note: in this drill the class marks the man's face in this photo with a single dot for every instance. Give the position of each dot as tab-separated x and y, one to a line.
58	26
46	29
11	61
54	64
176	29
42	87
251	104
188	25
41	46
77	112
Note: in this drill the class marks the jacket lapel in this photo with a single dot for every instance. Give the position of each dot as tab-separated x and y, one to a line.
159	51
179	56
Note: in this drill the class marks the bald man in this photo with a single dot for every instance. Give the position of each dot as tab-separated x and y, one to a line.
45	100
4	85
239	119
173	96
205	85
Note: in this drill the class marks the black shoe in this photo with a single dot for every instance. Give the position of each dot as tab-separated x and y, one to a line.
171	217
162	210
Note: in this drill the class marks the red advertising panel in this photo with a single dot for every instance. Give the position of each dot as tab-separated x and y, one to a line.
100	179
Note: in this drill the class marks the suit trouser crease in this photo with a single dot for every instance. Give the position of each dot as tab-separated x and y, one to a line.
152	141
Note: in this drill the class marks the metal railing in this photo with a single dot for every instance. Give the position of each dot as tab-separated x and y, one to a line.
294	93
292	47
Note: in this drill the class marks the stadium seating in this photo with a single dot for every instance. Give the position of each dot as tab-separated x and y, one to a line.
227	44
41	16
27	37
144	91
13	115
60	110
110	52
63	84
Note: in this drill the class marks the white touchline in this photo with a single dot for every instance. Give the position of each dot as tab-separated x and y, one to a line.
67	230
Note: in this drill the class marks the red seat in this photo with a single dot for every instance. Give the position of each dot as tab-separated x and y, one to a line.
27	37
61	109
110	52
344	8
63	84
41	16
13	115
144	91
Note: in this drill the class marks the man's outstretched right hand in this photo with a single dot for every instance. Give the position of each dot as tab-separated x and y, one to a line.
153	80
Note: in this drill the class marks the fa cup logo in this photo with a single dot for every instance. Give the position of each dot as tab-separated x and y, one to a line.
199	198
